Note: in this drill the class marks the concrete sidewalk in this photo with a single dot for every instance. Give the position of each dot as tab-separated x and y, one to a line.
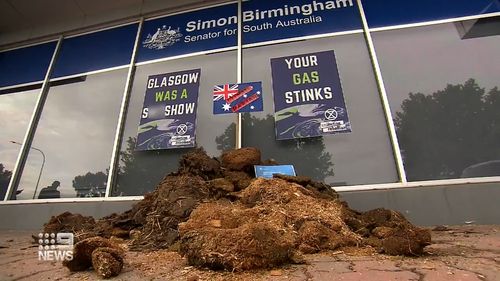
459	253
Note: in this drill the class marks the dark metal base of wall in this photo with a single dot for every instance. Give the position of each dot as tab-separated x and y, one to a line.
426	206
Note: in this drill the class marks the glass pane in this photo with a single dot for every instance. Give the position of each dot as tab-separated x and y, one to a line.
444	98
15	114
395	12
363	156
75	134
140	171
25	65
97	50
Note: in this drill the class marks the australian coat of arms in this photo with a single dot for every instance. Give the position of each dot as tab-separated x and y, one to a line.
162	38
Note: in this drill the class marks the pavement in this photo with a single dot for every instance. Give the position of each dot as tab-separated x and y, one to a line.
458	253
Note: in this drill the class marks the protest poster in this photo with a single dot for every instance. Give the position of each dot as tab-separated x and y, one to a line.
168	118
308	97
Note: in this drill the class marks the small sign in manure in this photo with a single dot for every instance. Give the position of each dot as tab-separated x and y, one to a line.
308	97
168	118
268	171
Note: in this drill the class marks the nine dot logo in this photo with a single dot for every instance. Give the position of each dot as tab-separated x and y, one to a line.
55	246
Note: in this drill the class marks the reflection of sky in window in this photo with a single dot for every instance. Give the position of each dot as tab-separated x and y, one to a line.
76	132
15	114
426	59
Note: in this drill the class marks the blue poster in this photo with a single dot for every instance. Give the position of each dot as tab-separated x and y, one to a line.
236	98
308	98
168	118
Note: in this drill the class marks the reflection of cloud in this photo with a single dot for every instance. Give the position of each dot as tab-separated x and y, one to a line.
426	59
76	131
53	133
15	113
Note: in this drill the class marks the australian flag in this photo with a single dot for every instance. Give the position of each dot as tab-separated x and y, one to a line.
234	98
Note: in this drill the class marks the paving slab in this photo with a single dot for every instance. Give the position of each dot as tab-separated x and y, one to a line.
458	253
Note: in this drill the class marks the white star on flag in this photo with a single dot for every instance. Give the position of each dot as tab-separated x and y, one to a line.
226	107
252	107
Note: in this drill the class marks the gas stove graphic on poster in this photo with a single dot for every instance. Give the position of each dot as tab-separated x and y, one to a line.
308	98
168	117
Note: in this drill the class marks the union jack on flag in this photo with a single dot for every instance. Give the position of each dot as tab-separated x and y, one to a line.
225	91
234	98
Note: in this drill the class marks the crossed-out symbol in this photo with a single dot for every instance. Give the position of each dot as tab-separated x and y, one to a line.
331	114
182	129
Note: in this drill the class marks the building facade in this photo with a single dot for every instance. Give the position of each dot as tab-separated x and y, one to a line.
418	80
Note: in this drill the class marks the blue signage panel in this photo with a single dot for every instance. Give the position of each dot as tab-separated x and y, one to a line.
268	171
265	20
216	27
25	65
197	31
235	98
97	50
308	98
168	117
396	12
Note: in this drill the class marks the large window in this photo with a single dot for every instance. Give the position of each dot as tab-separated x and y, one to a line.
75	134
22	71
442	82
363	156
141	171
71	149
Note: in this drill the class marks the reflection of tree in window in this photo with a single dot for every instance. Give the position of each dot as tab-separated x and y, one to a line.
4	180
141	171
90	184
308	155
451	133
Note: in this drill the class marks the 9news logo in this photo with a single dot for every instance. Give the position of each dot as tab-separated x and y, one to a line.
55	247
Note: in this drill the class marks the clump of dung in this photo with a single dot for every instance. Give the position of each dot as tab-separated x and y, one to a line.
103	255
273	222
